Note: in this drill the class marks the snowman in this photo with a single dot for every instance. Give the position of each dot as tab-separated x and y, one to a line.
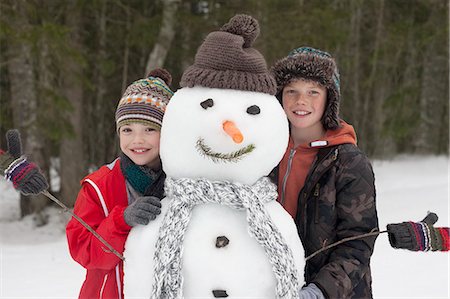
221	232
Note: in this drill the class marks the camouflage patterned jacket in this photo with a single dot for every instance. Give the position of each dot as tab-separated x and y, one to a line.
338	201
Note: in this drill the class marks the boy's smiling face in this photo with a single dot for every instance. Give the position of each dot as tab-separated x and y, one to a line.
140	143
304	102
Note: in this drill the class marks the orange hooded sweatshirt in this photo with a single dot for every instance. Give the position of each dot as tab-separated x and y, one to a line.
295	165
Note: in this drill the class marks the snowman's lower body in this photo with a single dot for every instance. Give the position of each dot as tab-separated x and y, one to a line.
220	259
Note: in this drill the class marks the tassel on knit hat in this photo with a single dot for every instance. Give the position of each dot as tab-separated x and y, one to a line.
316	65
145	100
227	60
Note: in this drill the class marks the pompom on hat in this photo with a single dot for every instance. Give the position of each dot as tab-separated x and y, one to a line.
145	100
312	64
227	60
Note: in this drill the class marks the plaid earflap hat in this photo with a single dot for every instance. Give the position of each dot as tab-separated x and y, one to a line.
145	100
316	65
227	60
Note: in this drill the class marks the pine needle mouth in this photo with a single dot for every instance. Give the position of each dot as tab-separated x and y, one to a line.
235	156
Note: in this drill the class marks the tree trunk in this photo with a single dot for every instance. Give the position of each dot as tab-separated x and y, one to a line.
24	106
73	162
165	36
126	51
433	98
97	138
372	105
355	65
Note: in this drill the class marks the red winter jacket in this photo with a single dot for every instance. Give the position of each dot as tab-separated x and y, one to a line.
100	203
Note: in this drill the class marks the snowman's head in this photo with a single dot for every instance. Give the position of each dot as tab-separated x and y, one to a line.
225	123
221	134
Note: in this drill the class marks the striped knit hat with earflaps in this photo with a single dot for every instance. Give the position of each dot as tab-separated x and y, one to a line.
227	60
145	100
316	65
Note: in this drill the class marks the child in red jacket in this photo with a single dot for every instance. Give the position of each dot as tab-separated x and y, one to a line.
124	193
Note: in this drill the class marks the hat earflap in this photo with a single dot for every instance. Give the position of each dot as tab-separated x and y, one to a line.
330	118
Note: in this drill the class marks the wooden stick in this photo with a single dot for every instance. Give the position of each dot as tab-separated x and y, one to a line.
374	233
87	226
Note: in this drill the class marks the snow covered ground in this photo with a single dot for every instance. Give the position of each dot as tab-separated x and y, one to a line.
35	263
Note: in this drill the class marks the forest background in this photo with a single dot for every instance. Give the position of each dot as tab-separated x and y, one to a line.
64	65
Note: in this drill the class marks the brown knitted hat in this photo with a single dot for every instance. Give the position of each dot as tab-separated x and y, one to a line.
316	65
227	60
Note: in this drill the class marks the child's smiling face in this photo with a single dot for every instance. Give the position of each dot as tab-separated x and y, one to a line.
140	143
304	103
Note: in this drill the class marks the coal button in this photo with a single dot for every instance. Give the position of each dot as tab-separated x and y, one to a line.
222	241
220	293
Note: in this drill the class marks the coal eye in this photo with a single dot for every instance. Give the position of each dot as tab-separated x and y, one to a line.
207	103
253	110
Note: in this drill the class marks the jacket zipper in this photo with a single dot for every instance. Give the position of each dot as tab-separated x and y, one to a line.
306	194
316	195
286	175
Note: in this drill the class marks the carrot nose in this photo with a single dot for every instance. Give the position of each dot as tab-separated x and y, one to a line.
233	131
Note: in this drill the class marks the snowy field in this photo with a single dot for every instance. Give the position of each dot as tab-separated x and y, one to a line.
35	263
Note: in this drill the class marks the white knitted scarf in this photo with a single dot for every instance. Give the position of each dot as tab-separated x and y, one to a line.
184	195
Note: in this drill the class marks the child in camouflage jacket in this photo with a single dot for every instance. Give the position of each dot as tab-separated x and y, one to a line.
324	180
